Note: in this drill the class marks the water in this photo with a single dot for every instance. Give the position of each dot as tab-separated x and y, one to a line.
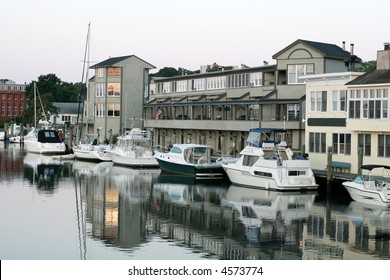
71	210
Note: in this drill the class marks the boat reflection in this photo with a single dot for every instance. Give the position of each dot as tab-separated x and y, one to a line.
186	190
267	215
45	172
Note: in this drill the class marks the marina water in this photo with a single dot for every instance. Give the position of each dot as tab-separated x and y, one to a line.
71	210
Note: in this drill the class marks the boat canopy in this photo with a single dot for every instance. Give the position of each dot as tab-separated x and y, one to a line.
48	136
373	166
258	136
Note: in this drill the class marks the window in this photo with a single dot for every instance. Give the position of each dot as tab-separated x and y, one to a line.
100	89
292	112
296	71
256	79
384	146
373	104
100	109
113	89
341	144
238	80
364	143
318	101
114	72
113	110
317	142
100	72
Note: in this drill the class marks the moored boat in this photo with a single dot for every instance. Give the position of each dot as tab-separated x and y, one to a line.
372	186
44	141
268	163
192	160
134	149
91	149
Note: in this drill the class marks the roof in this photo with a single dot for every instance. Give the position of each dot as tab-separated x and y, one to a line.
373	166
114	60
326	49
67	108
373	77
216	73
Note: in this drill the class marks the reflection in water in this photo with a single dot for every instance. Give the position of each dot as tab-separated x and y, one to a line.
270	216
127	213
356	231
44	172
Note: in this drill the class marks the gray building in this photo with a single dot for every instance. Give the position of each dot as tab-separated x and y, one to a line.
218	108
116	94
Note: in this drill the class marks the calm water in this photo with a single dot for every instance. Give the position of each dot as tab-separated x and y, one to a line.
81	210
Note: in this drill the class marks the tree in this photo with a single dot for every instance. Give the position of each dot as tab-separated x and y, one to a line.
51	89
367	66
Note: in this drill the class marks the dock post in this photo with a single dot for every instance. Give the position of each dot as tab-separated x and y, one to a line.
329	173
360	159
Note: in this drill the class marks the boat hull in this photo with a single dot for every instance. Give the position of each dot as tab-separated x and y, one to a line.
44	148
91	155
273	177
369	196
133	161
198	171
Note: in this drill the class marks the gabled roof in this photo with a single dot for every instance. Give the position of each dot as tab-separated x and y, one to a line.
373	77
114	60
67	108
327	50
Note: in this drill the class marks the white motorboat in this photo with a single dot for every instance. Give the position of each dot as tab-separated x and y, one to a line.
268	163
372	186
192	160
134	149
44	141
91	149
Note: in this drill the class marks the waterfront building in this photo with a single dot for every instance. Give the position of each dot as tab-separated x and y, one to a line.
349	113
219	108
115	94
67	114
13	99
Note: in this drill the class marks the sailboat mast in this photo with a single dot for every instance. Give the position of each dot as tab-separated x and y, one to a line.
35	105
82	100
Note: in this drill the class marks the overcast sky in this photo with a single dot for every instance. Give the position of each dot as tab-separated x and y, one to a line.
40	37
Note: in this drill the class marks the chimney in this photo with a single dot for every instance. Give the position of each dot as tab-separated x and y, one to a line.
351	51
383	58
344	45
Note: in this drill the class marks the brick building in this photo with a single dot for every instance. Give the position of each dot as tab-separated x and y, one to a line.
13	99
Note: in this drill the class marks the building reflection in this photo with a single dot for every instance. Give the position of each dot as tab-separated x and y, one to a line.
353	232
126	208
115	202
11	161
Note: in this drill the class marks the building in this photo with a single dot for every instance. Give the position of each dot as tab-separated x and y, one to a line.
348	112
116	94
13	99
67	115
326	117
219	108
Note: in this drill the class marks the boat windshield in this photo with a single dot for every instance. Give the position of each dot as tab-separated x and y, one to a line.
259	136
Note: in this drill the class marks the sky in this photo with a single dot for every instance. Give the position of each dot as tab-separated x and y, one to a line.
40	37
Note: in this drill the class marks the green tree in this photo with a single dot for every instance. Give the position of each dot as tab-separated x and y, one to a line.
50	89
367	66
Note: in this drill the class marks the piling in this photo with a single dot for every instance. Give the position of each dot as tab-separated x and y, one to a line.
329	173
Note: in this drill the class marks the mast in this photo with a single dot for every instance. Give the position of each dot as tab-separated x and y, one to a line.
35	105
82	100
